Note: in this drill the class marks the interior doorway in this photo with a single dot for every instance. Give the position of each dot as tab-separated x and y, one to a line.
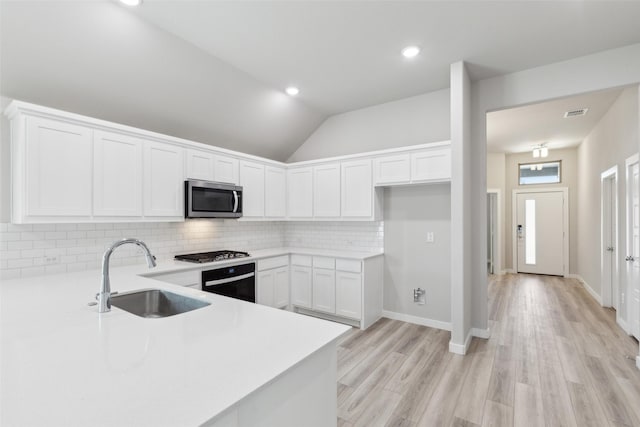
541	234
494	235
609	237
633	244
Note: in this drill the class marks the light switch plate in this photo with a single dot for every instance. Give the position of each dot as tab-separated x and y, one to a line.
430	237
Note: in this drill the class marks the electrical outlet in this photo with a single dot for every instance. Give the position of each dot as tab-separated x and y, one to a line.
50	260
430	237
419	296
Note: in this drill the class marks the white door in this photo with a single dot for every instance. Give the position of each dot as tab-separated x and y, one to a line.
117	175
324	290
326	191
225	169
633	245
275	187
608	245
357	189
540	232
349	294
59	174
163	180
301	279
266	285
200	165
252	181
281	287
300	193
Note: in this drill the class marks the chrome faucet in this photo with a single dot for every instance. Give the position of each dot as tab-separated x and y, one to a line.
104	296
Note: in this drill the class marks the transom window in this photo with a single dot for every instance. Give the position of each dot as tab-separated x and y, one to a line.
539	173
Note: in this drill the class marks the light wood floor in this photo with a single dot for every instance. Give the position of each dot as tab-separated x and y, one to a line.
555	358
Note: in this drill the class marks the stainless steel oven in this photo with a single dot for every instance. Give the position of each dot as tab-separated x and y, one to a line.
238	281
207	199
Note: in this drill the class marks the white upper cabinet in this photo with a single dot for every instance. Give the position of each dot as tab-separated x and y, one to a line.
357	189
163	180
226	169
275	201
300	193
326	191
431	165
392	170
200	165
58	170
252	181
117	180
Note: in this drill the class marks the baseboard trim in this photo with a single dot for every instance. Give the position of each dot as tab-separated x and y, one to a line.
586	286
638	362
481	333
461	348
509	271
438	324
623	325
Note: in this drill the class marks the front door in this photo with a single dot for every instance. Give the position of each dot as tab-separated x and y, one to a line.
540	232
633	245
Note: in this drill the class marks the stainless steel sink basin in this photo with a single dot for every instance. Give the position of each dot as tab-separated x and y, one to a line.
154	303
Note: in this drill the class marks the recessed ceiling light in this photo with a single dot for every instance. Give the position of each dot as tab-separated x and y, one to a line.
131	2
292	90
410	51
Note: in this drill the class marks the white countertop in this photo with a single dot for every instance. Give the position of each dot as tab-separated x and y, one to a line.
63	364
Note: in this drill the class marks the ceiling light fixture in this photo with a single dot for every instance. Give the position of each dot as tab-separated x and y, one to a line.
410	51
540	150
292	91
131	2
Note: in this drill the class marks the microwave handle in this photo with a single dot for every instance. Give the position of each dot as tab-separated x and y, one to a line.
235	201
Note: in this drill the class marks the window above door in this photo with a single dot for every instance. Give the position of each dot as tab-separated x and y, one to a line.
539	173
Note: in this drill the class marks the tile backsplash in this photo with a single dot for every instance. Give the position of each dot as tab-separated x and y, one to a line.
33	250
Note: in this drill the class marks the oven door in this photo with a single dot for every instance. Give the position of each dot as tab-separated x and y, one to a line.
236	282
205	199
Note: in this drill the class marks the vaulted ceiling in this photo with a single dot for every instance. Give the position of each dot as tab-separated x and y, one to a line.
214	71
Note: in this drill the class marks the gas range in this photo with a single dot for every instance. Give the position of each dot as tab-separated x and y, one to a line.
203	257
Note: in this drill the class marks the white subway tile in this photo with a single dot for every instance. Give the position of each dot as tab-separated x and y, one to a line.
21	244
19	263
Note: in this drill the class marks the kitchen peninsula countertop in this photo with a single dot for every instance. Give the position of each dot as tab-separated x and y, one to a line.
64	364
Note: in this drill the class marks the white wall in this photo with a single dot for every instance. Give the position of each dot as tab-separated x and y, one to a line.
569	178
410	121
409	261
611	68
610	142
496	181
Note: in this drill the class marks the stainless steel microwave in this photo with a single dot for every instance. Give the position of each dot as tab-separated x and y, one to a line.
206	199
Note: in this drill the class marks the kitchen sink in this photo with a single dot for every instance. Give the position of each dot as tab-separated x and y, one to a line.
153	303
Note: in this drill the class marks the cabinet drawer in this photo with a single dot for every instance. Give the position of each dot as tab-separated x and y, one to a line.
350	265
302	260
324	262
269	263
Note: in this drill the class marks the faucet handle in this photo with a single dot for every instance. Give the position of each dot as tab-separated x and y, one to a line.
92	303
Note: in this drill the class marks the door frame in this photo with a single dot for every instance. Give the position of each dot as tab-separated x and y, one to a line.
497	264
628	295
607	288
566	227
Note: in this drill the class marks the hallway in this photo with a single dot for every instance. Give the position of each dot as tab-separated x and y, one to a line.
555	358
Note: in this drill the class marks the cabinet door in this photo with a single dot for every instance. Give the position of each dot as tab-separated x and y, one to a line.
357	189
324	290
392	170
59	171
266	286
226	169
200	165
326	191
275	204
349	294
252	181
300	193
163	180
281	287
117	175
431	165
301	278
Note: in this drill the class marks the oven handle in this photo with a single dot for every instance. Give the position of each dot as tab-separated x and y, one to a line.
235	201
229	279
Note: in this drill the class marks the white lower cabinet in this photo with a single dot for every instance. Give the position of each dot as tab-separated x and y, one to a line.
272	285
349	294
324	290
301	278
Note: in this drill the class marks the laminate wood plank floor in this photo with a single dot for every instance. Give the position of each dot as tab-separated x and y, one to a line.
555	358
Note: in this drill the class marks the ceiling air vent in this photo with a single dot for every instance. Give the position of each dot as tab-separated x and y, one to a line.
576	113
